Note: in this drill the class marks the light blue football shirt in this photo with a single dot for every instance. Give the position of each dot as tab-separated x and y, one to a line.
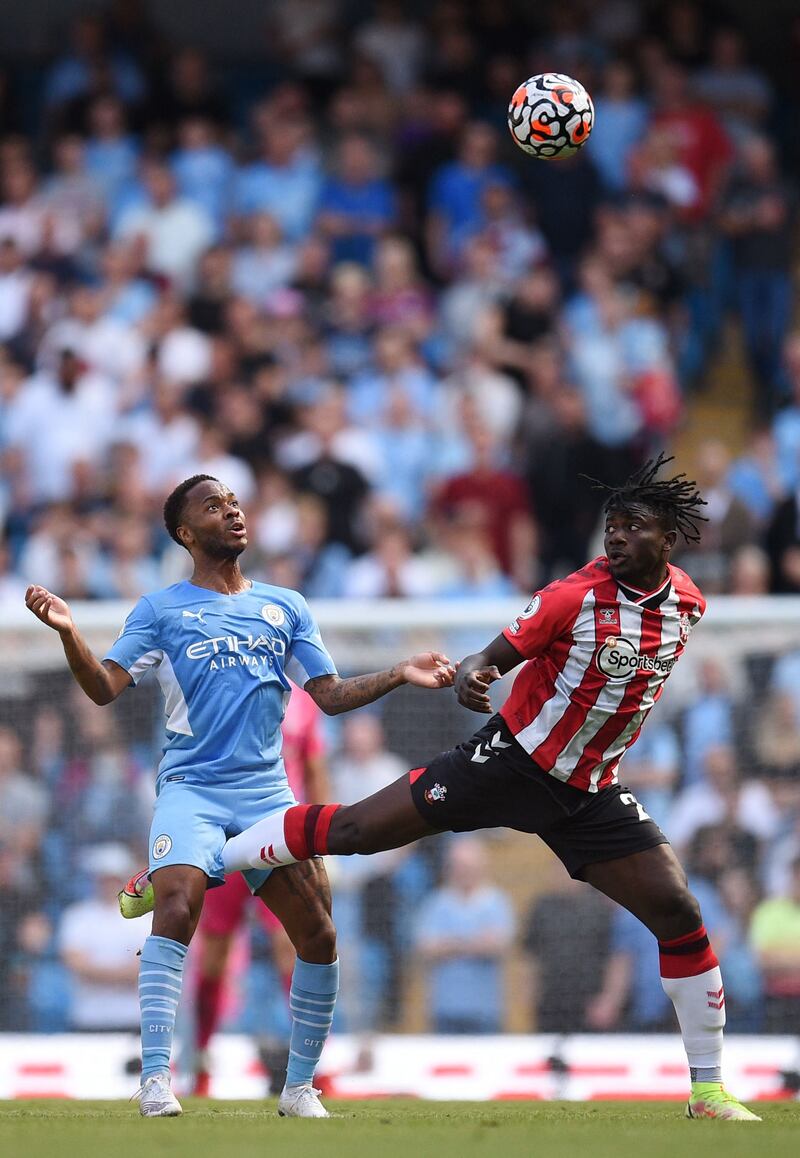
224	664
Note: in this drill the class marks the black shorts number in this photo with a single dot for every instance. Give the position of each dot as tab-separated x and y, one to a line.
629	798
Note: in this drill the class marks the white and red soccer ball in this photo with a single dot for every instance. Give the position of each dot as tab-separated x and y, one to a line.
551	115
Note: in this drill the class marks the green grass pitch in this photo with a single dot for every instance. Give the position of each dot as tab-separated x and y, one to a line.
393	1129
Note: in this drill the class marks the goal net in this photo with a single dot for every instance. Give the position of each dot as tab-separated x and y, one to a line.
718	765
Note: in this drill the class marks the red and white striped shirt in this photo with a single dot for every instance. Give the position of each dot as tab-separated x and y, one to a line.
598	654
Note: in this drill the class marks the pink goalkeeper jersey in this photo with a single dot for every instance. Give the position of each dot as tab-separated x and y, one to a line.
598	654
302	739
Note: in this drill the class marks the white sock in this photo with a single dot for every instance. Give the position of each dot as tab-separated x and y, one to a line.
700	1005
260	846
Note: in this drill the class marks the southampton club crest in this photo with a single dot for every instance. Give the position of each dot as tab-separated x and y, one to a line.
436	794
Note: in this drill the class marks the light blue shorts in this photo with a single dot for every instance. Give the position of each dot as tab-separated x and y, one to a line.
191	823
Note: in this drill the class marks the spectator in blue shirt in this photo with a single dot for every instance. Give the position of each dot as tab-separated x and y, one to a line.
755	478
606	344
357	205
398	369
406	450
652	767
348	322
708	721
75	73
463	932
455	195
129	296
759	216
786	679
112	156
786	427
285	181
620	121
203	170
631	998
264	263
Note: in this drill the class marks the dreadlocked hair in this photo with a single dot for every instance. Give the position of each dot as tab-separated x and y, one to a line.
675	501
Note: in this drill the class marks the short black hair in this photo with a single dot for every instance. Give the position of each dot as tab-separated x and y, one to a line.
176	501
674	501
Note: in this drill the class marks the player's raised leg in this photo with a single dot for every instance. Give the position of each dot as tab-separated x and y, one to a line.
300	897
387	819
178	890
652	885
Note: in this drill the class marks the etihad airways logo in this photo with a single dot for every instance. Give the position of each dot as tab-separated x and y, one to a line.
620	661
225	651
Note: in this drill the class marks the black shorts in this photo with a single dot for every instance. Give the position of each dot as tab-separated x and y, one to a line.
491	782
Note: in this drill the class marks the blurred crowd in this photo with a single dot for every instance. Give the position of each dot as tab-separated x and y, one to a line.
332	281
335	282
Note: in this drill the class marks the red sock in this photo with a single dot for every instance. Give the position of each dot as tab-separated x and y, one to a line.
305	829
687	956
209	999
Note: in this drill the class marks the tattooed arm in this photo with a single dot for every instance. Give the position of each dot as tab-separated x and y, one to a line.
333	694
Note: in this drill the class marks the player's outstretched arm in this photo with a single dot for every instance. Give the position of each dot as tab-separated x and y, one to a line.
476	672
102	682
429	669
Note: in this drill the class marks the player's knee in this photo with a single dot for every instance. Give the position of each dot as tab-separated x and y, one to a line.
690	914
675	914
318	945
174	918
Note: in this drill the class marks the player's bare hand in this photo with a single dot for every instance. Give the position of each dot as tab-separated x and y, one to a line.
603	1012
429	669
472	689
49	608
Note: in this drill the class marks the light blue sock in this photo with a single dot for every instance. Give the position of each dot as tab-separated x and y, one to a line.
311	1000
160	979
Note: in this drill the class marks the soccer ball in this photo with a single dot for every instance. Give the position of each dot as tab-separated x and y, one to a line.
551	115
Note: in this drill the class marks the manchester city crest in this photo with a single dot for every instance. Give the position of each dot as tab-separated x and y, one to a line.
161	846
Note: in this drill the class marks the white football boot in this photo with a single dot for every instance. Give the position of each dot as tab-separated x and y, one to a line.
156	1099
301	1102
